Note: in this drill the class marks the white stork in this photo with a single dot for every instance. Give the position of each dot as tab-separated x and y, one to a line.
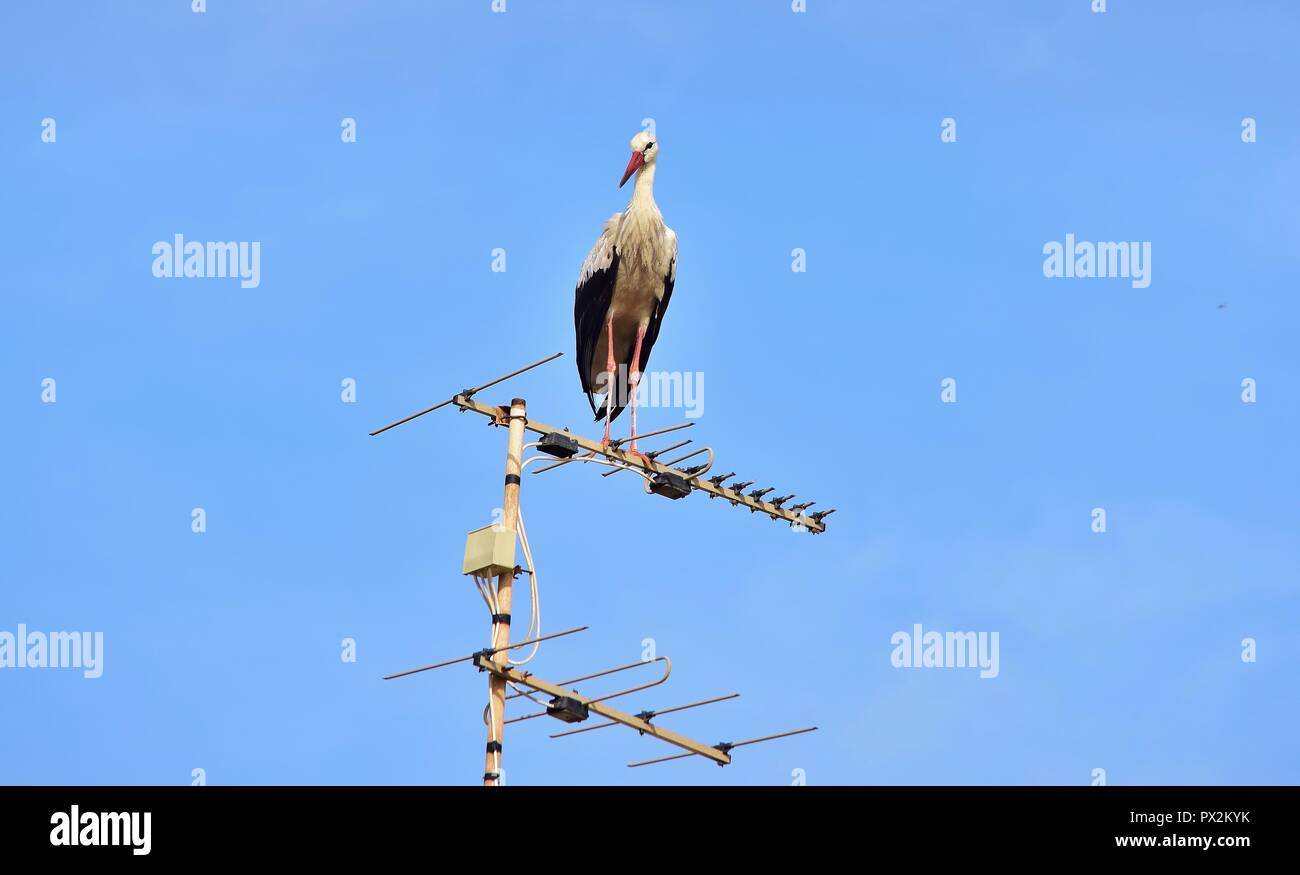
623	292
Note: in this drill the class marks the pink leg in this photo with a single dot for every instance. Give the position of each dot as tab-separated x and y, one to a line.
635	379
610	371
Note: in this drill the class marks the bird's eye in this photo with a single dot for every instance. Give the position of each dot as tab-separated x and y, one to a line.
649	146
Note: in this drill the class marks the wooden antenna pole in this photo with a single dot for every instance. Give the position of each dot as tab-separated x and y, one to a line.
505	585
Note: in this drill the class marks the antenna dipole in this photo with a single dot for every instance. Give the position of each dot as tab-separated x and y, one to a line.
468	393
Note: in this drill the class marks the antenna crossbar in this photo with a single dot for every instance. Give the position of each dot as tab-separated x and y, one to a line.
525	679
736	496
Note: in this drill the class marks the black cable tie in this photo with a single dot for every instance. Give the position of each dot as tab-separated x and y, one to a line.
494	747
512	480
492	776
501	618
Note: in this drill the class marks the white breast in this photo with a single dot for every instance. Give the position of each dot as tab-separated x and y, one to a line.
645	243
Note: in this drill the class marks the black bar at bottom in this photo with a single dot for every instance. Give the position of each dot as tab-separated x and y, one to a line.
978	823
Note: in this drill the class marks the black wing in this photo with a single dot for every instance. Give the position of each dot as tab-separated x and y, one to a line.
652	330
591	300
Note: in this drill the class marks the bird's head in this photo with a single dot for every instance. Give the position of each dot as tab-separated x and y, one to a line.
645	148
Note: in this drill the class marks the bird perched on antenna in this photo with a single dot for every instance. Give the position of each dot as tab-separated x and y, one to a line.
622	293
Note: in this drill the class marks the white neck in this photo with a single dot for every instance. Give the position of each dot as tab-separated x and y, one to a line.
643	193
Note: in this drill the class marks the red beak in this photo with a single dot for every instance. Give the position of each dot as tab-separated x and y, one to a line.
632	167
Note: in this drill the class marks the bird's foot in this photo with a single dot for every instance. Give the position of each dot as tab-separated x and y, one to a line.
633	451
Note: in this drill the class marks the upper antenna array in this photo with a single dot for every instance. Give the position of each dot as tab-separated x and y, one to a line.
662	478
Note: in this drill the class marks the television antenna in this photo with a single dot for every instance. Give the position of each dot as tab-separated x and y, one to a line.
490	554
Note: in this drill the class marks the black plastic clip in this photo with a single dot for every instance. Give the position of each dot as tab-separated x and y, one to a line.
647	716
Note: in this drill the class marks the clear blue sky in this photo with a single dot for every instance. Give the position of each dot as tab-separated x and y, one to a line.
1119	651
